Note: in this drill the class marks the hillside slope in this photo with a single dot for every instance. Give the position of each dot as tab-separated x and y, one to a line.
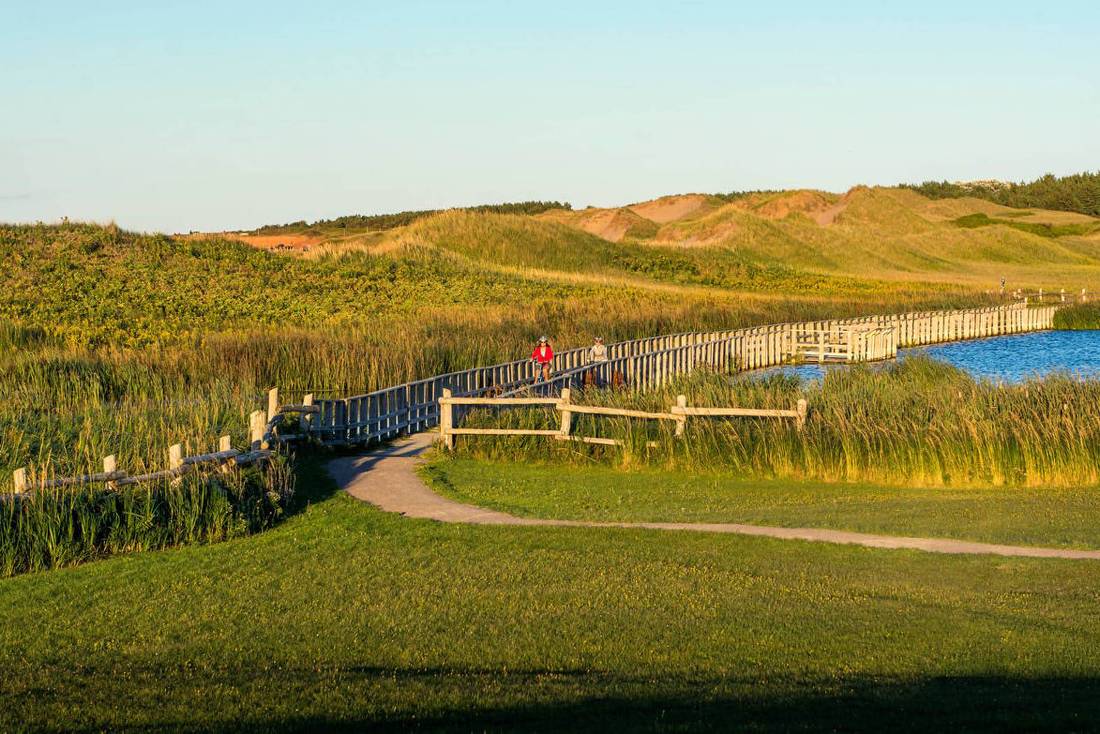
880	233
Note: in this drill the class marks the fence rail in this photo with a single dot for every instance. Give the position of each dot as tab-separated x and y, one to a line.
679	413
638	364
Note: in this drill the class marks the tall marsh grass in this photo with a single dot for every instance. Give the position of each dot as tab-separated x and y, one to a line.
56	527
914	423
1081	316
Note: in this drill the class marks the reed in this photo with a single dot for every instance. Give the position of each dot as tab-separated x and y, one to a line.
1081	316
914	423
57	527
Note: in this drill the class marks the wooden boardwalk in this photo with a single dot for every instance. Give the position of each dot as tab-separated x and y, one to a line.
638	364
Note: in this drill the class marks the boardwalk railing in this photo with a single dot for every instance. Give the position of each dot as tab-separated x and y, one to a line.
638	364
642	364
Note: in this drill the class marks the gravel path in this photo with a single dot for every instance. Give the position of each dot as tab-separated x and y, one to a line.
386	477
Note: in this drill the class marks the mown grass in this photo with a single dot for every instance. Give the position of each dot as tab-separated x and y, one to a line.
343	618
913	423
1043	516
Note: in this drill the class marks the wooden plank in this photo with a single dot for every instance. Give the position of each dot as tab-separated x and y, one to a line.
503	432
498	401
734	412
621	412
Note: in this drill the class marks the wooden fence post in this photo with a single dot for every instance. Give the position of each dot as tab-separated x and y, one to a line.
19	478
272	402
175	456
566	416
681	422
225	443
256	425
802	409
446	418
110	466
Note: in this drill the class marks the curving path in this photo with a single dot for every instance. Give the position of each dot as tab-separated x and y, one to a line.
386	477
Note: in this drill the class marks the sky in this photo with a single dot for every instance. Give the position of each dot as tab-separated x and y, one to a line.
179	116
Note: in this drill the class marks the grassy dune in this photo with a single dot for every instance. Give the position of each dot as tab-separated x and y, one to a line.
143	341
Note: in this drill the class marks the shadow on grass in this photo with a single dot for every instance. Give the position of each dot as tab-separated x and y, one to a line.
957	704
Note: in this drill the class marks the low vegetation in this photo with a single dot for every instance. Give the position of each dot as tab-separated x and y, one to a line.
1045	229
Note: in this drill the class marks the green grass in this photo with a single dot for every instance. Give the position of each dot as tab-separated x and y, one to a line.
1041	517
974	221
345	618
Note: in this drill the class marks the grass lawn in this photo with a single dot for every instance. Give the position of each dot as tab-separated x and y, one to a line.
344	617
1053	517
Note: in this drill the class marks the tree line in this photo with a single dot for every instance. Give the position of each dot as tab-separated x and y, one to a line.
1079	192
400	219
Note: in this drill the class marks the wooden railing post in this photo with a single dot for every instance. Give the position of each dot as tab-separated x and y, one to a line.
446	419
272	402
110	466
566	415
306	418
19	478
802	409
681	423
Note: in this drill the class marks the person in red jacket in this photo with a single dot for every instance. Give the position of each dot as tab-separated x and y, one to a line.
543	356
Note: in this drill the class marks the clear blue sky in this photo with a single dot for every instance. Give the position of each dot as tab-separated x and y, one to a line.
208	115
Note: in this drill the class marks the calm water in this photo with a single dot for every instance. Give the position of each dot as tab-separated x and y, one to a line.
1006	358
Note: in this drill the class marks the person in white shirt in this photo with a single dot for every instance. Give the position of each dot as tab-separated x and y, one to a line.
597	352
597	355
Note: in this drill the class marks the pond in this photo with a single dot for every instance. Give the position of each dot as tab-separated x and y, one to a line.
1011	358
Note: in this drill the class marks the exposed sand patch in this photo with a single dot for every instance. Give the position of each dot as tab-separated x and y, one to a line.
669	208
820	207
610	224
606	223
